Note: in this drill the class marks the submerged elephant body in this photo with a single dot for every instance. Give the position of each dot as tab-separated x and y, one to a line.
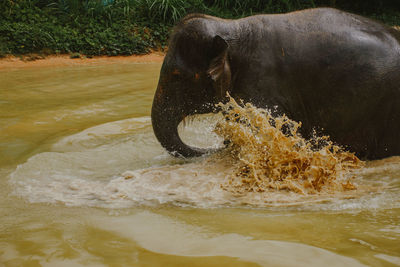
331	70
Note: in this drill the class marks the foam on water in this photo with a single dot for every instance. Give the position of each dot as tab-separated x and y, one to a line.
120	164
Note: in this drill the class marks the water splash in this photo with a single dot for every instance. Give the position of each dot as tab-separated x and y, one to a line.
121	164
270	154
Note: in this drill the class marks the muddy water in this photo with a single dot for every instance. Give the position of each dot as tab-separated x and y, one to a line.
84	183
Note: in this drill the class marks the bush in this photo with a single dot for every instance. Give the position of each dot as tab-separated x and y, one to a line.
168	11
125	27
61	27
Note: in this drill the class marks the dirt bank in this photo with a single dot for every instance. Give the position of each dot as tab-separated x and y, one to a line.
12	62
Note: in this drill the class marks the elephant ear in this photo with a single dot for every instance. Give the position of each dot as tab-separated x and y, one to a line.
219	70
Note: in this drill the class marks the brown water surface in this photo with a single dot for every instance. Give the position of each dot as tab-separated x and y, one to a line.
84	183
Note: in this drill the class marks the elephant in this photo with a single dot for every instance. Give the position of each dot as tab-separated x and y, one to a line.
336	72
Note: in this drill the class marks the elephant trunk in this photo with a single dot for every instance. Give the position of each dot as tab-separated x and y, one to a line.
165	117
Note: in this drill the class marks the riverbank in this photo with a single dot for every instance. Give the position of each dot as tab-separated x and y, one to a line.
12	62
33	60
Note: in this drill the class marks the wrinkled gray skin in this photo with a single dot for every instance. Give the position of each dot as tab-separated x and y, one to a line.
336	72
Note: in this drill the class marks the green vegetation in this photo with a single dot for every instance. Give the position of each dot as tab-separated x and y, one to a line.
125	27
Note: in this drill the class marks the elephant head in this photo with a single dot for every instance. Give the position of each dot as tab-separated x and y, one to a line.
195	75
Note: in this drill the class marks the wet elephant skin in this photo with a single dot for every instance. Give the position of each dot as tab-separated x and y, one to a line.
336	72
